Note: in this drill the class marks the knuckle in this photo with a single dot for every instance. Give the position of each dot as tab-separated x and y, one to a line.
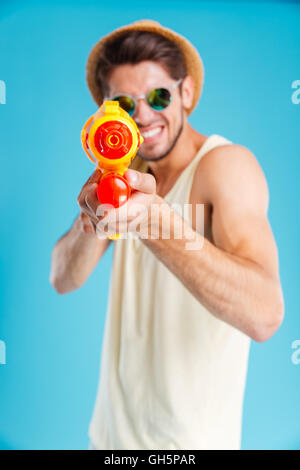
84	217
88	226
87	201
91	177
87	229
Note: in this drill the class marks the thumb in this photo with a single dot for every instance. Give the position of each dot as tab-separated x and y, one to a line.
144	182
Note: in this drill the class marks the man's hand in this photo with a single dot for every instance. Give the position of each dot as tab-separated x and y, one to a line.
130	217
76	254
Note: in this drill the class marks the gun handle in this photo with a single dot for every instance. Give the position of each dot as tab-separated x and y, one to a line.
114	237
113	189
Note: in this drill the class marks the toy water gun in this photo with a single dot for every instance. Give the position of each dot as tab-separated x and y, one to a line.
111	139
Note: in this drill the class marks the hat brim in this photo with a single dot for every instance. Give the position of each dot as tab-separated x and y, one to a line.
193	61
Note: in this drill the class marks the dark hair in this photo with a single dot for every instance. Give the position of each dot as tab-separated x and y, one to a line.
136	46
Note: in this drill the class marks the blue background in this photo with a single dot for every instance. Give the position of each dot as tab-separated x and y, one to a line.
53	343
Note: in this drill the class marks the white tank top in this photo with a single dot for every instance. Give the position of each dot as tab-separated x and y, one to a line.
172	375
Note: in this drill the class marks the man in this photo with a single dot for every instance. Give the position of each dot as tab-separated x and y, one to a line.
180	318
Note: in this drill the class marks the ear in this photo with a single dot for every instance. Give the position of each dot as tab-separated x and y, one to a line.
187	92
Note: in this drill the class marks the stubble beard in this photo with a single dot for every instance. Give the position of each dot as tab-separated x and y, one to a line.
170	148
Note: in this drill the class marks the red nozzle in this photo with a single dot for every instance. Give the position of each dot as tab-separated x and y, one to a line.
113	139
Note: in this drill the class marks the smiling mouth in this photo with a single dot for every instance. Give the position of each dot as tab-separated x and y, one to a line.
152	133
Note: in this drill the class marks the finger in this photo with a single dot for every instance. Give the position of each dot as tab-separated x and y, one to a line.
95	177
89	228
96	209
144	182
87	224
91	200
81	200
84	217
111	228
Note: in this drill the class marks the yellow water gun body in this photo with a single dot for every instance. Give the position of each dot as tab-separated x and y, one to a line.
111	139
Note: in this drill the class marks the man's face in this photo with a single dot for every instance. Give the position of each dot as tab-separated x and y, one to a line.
160	129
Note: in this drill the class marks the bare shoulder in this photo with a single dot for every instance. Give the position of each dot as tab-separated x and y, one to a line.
230	172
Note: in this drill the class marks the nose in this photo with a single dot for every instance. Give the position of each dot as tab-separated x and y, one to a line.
143	112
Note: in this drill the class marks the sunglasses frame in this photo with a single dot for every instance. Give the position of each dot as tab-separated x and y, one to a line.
135	98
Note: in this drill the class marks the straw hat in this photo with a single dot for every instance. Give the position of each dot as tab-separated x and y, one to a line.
192	59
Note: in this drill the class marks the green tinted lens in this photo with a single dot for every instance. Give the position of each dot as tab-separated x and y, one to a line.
126	103
159	98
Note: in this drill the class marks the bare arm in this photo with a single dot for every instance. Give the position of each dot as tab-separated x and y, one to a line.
76	253
237	277
74	257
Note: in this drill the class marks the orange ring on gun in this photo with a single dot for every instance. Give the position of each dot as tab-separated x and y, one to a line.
111	139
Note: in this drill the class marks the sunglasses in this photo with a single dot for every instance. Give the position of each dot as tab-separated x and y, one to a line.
158	99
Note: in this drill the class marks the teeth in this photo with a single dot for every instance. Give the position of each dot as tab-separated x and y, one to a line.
151	133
